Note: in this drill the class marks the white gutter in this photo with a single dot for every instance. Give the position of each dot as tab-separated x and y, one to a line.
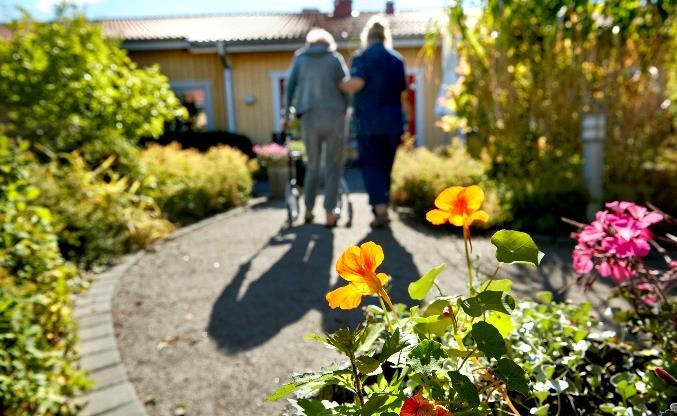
228	88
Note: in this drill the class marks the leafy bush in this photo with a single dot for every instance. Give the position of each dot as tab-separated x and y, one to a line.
38	364
191	185
580	366
64	85
530	71
98	215
420	174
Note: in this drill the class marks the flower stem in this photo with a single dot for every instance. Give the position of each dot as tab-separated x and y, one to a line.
468	264
386	313
358	386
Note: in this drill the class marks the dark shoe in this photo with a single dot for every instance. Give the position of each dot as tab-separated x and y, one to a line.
380	221
332	221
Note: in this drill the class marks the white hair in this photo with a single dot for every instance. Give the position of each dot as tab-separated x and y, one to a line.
376	30
319	35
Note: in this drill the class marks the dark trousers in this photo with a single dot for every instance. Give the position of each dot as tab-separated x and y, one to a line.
377	154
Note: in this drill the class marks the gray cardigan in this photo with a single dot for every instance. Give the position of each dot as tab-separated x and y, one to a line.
313	80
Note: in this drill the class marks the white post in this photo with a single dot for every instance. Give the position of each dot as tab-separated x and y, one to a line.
593	132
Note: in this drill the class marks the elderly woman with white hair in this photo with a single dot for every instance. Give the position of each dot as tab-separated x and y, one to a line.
378	80
313	89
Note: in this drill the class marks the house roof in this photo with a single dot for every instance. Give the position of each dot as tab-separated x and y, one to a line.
240	29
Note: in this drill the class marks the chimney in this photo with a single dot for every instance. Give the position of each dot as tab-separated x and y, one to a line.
390	7
343	8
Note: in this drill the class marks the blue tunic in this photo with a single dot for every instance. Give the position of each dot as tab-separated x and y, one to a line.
378	106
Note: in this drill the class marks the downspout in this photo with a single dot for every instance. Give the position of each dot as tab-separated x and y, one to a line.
228	86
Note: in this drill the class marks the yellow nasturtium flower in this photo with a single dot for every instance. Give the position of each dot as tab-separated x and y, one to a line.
459	206
358	266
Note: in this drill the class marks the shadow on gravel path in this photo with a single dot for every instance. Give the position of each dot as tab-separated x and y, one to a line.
284	293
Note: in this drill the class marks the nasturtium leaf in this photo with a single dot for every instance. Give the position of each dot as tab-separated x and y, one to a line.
503	285
471	306
540	411
313	407
502	322
392	345
419	288
513	376
488	339
369	335
545	297
516	247
492	300
465	388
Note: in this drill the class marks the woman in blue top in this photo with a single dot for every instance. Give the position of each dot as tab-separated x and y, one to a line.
378	80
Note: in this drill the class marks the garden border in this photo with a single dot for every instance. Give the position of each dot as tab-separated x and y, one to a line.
113	394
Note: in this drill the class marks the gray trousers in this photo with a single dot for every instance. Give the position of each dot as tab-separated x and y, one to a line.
323	127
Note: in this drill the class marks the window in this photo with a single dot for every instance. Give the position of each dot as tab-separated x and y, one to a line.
197	98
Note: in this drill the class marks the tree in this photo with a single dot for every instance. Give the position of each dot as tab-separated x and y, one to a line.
64	85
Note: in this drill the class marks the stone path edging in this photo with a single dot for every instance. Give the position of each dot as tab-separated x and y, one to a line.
112	393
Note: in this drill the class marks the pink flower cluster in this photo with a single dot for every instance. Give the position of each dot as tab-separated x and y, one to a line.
614	240
271	151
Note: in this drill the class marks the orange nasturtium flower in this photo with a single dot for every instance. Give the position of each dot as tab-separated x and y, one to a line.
417	405
459	206
358	266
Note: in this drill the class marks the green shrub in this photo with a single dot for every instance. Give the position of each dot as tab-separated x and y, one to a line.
420	174
98	215
65	85
191	185
579	366
38	364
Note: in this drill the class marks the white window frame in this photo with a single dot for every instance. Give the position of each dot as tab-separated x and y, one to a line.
275	77
205	85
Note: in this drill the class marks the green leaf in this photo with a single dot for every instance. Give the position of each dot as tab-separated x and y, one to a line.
367	364
502	322
392	345
427	357
419	288
516	247
488	339
465	388
373	405
471	306
503	285
492	300
314	379
513	376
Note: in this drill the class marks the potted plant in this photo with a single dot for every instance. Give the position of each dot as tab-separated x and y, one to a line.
276	160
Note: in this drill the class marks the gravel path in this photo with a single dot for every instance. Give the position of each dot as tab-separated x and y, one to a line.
212	320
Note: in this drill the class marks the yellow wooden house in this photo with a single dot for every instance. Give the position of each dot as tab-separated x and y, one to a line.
234	67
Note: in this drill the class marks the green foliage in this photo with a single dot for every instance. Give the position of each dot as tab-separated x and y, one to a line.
516	247
530	71
190	185
420	174
98	215
64	85
453	349
419	288
579	365
39	372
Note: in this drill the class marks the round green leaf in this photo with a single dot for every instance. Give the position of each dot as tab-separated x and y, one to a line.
516	247
488	339
419	288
